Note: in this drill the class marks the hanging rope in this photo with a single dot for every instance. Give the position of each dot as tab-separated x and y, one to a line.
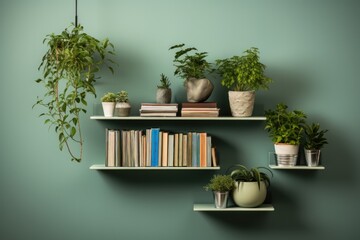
76	17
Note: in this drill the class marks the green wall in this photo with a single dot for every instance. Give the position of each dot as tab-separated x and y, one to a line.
311	49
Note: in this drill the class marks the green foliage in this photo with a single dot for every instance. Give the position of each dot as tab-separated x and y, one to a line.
243	73
190	64
122	96
285	126
164	82
221	183
69	67
314	137
243	174
109	97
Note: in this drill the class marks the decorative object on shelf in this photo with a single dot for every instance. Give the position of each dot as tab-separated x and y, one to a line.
314	141
192	68
243	75
108	104
163	93
69	67
251	185
285	129
221	185
122	107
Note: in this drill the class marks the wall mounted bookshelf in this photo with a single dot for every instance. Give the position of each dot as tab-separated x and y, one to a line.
257	118
296	167
103	167
211	208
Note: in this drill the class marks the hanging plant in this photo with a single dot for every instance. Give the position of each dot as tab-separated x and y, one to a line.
69	67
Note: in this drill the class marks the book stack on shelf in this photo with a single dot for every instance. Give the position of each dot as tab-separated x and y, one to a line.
157	148
158	109
202	109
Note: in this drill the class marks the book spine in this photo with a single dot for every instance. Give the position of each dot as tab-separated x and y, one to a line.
155	147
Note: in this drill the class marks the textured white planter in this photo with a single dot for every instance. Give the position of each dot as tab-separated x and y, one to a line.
248	194
122	109
108	108
286	154
241	103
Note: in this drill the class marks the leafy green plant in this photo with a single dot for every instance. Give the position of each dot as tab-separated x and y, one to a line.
221	183
190	63
243	73
69	67
285	126
122	96
240	173
109	97
314	137
164	82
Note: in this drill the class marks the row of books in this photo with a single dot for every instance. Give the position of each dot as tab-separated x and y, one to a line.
157	148
188	109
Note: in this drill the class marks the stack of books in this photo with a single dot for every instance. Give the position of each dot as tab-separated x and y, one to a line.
202	109
158	109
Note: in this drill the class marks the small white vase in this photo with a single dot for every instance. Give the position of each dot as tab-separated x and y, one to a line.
108	108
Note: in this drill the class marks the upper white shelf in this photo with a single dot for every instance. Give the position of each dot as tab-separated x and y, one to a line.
255	118
103	167
211	208
297	167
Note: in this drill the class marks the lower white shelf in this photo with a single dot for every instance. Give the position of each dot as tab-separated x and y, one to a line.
297	167
211	208
103	167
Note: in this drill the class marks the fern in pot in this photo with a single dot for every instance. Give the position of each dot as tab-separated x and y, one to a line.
122	106
221	185
243	75
70	68
192	66
108	102
285	129
163	93
314	142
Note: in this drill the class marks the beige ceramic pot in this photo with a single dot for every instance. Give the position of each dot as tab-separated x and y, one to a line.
241	103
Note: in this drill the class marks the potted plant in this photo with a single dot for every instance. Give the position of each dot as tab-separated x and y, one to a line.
221	185
192	66
250	185
243	75
285	129
108	103
163	93
69	70
122	106
314	141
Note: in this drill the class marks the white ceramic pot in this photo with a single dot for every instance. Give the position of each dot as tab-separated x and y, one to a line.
241	103
286	154
248	194
108	108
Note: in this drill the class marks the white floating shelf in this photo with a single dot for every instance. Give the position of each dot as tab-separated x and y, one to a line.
255	118
103	167
297	167
211	208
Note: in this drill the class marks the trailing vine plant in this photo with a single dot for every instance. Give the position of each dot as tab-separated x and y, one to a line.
68	75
